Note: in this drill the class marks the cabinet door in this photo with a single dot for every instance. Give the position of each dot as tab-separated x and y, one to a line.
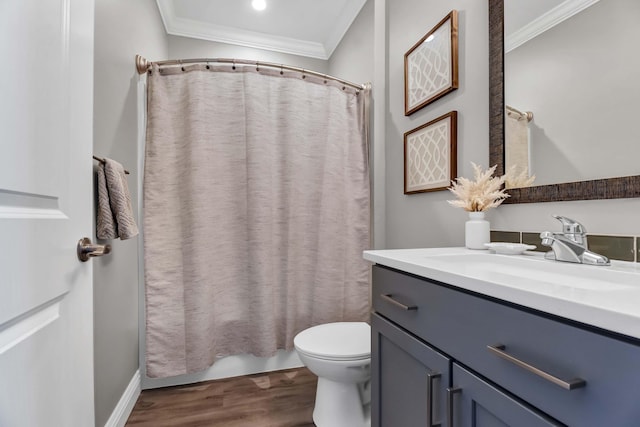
474	402
408	379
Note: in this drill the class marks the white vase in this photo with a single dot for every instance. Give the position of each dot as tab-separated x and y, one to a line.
476	231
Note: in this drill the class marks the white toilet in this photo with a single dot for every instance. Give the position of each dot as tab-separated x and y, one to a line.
340	355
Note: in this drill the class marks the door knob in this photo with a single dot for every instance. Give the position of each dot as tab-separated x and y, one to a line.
87	250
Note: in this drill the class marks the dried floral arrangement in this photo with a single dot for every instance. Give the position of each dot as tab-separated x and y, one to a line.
518	180
483	193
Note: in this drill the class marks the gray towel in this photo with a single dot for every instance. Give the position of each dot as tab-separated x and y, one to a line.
115	214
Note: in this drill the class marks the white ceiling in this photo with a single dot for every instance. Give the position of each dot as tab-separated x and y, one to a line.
302	27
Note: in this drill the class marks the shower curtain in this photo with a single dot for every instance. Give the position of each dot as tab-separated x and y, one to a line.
257	210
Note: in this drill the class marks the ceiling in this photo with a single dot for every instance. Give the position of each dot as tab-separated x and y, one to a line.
301	27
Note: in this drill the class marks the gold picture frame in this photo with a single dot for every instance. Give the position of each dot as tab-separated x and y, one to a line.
431	65
430	155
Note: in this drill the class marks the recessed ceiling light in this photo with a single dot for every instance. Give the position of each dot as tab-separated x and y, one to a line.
259	4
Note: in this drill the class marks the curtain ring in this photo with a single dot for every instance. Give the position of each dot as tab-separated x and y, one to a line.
208	67
234	65
180	63
257	66
281	69
303	75
325	79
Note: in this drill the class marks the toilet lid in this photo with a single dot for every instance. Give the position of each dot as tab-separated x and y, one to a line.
342	340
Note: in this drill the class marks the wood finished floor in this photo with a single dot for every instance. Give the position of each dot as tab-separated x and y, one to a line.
273	399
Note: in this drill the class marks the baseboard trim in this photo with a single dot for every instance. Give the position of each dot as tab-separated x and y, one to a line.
126	403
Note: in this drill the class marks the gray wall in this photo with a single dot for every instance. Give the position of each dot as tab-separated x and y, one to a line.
353	58
122	29
426	220
183	48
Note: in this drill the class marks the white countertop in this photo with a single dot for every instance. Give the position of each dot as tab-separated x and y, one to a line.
605	297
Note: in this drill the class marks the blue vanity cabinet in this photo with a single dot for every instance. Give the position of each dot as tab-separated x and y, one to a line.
510	362
409	379
410	388
475	402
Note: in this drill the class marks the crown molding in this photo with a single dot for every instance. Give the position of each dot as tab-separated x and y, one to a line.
546	21
217	33
177	26
344	22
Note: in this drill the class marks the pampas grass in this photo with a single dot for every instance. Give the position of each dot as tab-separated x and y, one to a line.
518	180
483	193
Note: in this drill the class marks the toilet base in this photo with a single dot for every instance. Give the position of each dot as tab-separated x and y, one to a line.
340	405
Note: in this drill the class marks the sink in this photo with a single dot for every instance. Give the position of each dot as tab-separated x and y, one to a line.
528	270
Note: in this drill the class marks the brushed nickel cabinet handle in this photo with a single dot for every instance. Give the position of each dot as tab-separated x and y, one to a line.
430	378
389	298
499	350
451	392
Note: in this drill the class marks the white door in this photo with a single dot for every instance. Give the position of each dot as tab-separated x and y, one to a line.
46	320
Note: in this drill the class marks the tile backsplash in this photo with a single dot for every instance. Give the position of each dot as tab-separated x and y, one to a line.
623	248
534	239
505	236
613	247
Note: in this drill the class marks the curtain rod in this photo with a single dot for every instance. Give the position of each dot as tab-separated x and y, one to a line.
142	65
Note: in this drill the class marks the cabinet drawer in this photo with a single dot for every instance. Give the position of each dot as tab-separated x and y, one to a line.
463	325
406	300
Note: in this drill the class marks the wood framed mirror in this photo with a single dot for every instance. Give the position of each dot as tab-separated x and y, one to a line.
608	188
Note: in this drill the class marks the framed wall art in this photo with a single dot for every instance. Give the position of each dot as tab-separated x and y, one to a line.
430	155
431	65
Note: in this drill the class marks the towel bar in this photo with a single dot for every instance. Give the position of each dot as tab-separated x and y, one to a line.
101	160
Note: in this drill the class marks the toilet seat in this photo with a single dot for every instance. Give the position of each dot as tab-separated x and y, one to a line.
336	341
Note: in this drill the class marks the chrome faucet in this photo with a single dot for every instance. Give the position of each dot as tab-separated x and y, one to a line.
571	244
